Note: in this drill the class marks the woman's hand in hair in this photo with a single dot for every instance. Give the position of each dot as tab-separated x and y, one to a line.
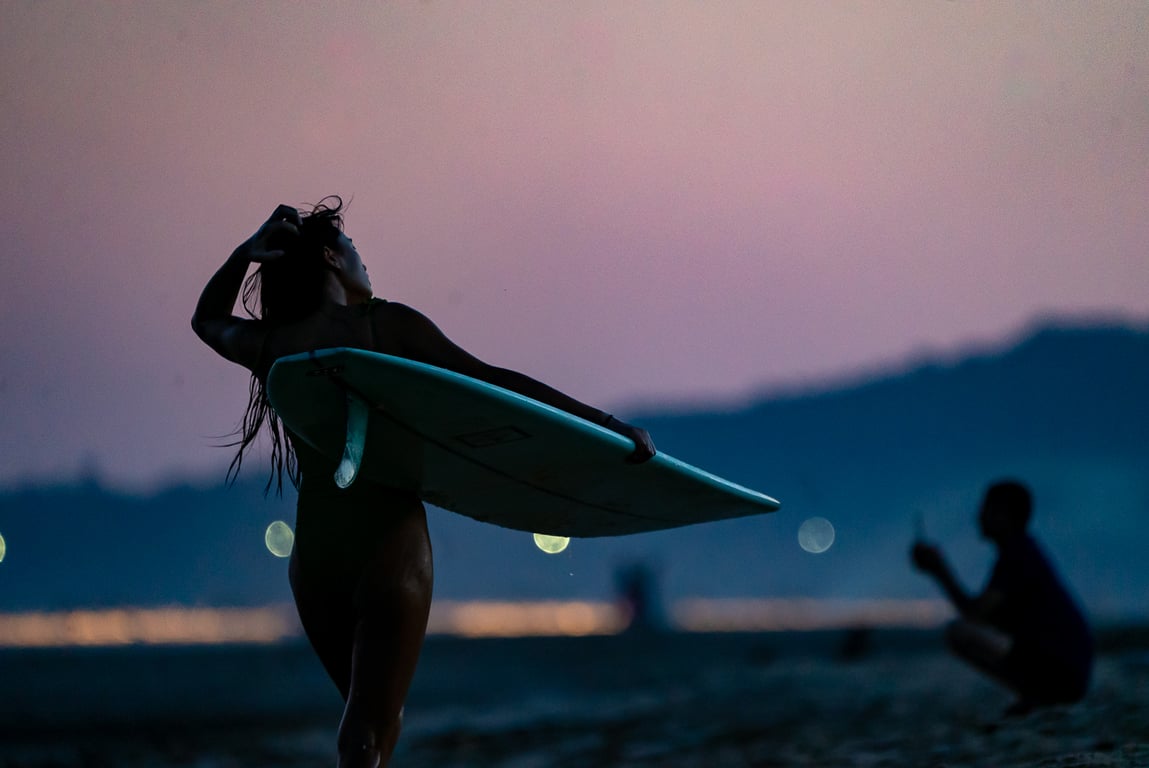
270	240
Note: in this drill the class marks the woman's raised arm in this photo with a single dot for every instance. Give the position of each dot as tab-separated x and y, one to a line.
237	339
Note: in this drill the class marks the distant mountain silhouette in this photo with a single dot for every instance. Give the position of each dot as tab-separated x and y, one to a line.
1066	409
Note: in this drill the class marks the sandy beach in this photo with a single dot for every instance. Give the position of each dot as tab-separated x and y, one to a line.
815	699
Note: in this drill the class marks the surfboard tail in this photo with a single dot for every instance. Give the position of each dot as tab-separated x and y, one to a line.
357	417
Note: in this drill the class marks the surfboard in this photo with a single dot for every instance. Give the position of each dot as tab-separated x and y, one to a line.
489	453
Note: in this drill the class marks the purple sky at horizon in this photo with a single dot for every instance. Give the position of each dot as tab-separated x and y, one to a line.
634	202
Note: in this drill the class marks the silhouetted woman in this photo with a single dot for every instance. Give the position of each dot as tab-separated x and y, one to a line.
361	569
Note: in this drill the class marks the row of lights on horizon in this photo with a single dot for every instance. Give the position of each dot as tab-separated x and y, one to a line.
815	535
279	539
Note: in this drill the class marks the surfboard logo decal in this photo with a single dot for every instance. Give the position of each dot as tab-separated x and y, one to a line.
490	437
333	370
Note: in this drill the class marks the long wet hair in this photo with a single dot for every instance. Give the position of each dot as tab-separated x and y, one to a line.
281	292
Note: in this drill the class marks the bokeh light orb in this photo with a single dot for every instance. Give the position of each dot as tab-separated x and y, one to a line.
3	548
552	545
279	539
816	535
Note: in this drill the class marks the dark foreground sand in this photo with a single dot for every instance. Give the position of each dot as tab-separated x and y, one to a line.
733	701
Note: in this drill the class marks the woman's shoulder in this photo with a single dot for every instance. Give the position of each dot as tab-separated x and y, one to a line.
394	325
377	305
395	312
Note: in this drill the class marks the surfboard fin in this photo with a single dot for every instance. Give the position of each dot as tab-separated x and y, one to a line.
348	468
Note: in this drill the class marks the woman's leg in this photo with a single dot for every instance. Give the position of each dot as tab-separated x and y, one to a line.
327	613
392	601
994	654
983	647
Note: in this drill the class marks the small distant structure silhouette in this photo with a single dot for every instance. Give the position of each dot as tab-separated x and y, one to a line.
636	587
856	644
1024	629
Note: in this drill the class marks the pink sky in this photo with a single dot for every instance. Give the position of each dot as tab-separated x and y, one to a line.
635	202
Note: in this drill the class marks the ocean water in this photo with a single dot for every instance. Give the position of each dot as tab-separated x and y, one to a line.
825	698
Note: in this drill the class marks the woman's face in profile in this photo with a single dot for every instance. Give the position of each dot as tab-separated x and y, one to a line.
353	274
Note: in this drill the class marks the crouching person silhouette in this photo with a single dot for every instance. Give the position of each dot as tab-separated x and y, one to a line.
1024	629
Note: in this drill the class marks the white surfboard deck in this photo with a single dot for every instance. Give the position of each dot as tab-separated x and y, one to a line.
488	453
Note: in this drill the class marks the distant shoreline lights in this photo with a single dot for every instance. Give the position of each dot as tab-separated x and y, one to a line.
269	625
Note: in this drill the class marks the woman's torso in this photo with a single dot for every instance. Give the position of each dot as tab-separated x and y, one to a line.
334	524
362	326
